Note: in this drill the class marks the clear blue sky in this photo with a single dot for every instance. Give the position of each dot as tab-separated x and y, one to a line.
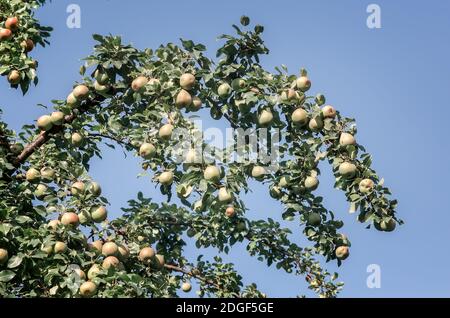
393	80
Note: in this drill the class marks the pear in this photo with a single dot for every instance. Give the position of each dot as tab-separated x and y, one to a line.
71	100
347	170
99	214
299	117
47	174
32	175
328	111
311	183
224	90
95	189
3	256
366	185
80	92
124	252
230	212
314	219
289	95
346	139
386	226
237	84
146	254
342	252
184	99
96	246
110	249
77	139
165	132
101	77
159	261
88	289
14	77
93	271
275	192
57	118
101	88
44	123
139	83
211	173
53	224
186	287
60	247
224	195
303	83
265	117
196	104
258	172
316	124
166	178
78	188
110	261
187	81
84	217
147	150
70	218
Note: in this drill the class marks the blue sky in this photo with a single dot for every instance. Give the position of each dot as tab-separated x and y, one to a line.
393	80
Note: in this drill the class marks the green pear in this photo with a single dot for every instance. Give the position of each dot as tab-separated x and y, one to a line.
299	117
139	83
187	81
265	117
57	118
3	256
342	252
347	170
183	99
224	90
166	178
147	150
99	214
211	173
346	139
44	123
366	185
165	132
311	183
32	175
224	195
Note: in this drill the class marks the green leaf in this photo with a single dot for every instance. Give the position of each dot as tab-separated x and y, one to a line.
6	276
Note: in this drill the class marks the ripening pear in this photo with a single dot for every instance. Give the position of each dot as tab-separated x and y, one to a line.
314	219
100	87
3	256
230	212
47	249
303	83
224	195
44	123
139	83
60	247
346	139
316	124
166	178
299	117
77	139
80	92
14	77
53	224
80	273
183	99
88	289
386	226
347	170
101	77
186	287
99	214
78	188
110	261
5	34
311	183
95	189
328	111
342	252
265	117
147	150
146	254
165	132
96	246
57	118
110	249
187	81
124	252
211	173
84	217
71	100
32	175
237	84
224	90
366	185
70	218
93	271
47	174
258	172
12	23
289	95
196	104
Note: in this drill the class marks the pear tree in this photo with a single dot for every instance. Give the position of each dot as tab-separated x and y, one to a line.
56	237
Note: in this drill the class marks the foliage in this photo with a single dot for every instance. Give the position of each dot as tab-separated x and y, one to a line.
124	97
14	51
